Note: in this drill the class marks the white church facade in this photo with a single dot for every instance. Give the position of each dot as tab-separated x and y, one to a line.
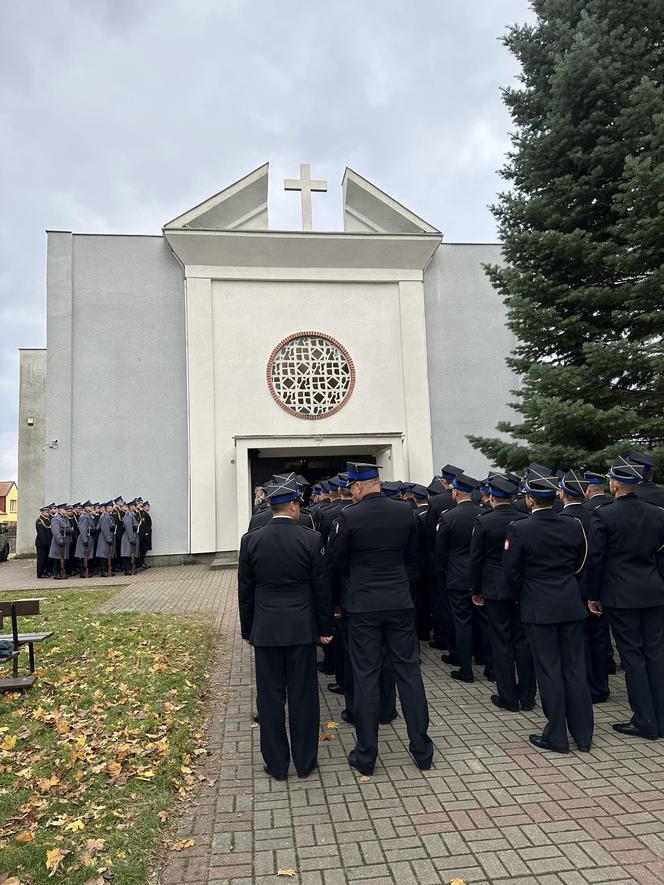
187	367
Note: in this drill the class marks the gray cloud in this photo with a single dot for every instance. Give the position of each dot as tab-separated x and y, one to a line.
118	115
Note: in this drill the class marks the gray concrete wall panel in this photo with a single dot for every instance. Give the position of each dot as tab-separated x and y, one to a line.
127	398
467	342
31	438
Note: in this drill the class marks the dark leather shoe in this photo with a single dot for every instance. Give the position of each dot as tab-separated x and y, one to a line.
497	701
436	643
450	659
308	773
363	769
335	688
257	718
527	707
461	676
346	716
423	766
631	730
275	776
583	748
539	741
391	719
600	698
490	674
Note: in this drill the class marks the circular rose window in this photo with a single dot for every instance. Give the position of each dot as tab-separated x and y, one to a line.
310	375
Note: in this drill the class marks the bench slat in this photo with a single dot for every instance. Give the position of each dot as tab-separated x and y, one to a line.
28	637
20	682
20	607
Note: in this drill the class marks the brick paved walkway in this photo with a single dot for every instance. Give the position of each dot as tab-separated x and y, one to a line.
177	589
493	809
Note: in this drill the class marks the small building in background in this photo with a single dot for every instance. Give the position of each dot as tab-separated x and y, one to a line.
8	501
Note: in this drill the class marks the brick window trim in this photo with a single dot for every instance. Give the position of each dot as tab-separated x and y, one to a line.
277	398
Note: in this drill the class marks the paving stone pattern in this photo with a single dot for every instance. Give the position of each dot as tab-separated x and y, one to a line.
493	808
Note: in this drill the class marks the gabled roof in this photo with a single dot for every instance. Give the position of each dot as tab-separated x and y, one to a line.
6	487
368	209
242	206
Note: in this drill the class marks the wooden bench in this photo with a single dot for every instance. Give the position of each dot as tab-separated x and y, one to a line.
13	610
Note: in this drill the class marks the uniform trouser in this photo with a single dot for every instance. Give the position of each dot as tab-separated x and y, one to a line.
423	606
463	611
441	609
560	668
388	690
598	654
288	672
118	542
56	564
369	632
43	565
339	654
639	635
482	650
512	658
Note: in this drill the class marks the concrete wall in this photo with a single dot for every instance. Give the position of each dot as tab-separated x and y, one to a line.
116	380
31	438
467	342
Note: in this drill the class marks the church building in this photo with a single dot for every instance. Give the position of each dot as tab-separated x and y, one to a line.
189	366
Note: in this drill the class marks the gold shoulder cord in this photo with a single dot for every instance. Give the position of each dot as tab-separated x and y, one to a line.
585	541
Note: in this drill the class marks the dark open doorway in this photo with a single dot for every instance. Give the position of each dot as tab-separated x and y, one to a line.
311	467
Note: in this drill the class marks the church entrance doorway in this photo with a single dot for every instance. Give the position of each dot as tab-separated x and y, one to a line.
313	456
312	467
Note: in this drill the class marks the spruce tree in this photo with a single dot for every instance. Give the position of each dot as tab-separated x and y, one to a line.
582	225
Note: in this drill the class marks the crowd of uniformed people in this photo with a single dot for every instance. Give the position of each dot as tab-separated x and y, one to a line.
548	581
93	539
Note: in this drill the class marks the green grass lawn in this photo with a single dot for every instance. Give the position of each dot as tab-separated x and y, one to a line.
94	757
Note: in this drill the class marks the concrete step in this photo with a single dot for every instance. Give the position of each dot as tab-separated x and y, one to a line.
227	559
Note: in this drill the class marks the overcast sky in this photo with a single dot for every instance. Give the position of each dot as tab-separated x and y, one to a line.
118	115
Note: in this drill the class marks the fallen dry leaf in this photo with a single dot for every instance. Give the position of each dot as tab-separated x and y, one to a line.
8	743
24	838
12	880
163	816
332	724
46	783
328	736
364	778
290	873
54	858
96	880
457	882
75	826
182	844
